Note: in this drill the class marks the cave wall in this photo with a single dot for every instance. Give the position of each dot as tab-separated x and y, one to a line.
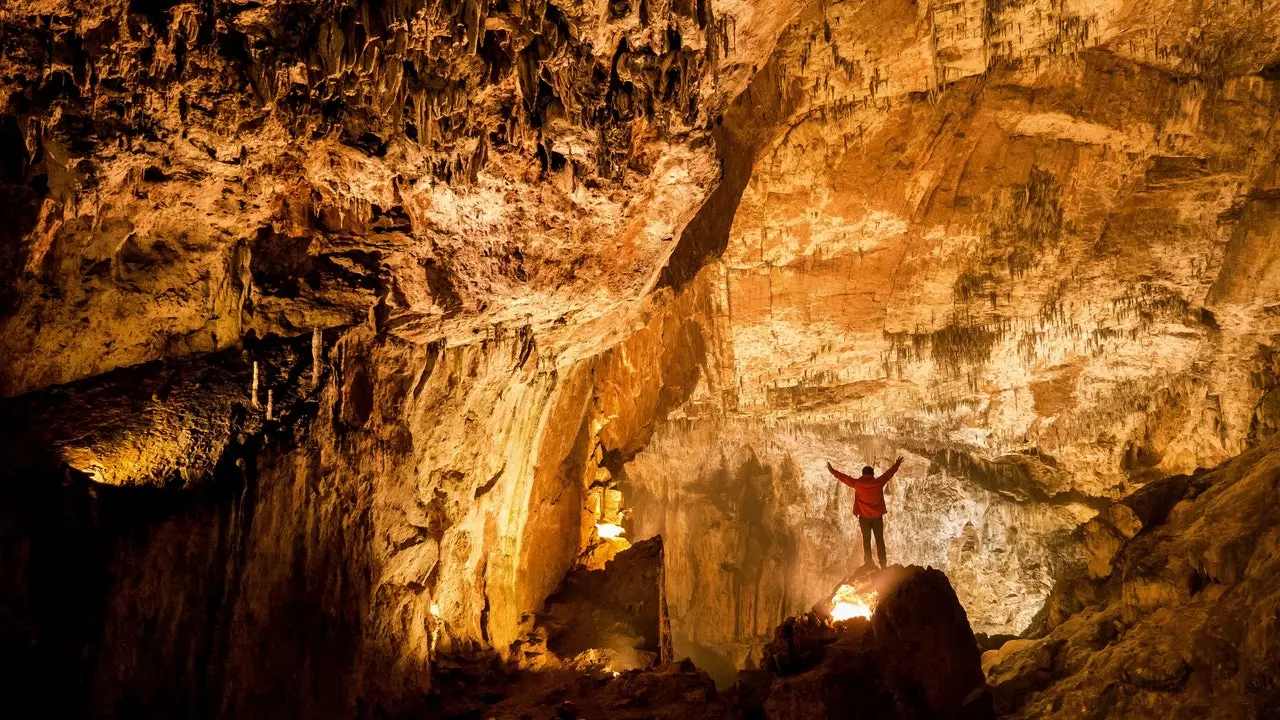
760	531
490	256
317	570
1032	254
449	213
1177	612
993	237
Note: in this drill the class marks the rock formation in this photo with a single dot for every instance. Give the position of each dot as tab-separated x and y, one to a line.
1178	615
614	618
335	333
1031	244
915	657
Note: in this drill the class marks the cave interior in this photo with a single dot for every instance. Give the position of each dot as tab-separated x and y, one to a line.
383	359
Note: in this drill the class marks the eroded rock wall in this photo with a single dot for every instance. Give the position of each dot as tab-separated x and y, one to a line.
448	212
1030	245
1179	616
418	500
759	531
1007	240
1037	253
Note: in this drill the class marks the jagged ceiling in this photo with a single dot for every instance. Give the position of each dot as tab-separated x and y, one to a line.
187	174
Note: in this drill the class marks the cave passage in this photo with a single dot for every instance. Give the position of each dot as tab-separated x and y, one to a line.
383	359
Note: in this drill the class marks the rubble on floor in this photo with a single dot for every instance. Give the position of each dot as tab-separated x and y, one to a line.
914	658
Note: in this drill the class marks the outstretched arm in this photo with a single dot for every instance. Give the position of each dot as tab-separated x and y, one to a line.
840	476
888	474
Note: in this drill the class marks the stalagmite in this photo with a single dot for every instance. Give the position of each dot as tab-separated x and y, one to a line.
317	356
253	387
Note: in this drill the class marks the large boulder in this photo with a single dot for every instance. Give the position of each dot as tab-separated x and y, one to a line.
916	657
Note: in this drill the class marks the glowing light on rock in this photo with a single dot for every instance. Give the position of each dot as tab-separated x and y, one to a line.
609	530
848	603
435	610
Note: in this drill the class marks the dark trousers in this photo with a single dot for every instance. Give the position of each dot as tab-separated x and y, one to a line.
868	526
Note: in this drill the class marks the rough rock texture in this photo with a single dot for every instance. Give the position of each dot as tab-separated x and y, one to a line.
670	692
462	208
422	500
1032	246
1182	616
615	617
753	535
915	657
331	328
189	174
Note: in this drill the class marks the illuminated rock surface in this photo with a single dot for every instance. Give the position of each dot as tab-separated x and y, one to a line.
332	330
915	657
1185	618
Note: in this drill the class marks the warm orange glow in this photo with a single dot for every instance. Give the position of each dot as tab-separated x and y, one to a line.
609	530
848	603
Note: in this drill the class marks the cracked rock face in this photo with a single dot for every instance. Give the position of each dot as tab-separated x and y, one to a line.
1178	613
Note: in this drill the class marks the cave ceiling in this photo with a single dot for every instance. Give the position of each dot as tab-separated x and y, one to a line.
185	175
988	225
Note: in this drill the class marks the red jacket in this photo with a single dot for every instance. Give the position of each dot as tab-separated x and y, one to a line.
868	491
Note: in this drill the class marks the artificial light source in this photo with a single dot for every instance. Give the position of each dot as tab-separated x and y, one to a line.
609	530
849	603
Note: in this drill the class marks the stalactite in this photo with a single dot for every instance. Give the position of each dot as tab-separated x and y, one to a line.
317	356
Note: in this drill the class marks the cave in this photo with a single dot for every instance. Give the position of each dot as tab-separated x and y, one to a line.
382	359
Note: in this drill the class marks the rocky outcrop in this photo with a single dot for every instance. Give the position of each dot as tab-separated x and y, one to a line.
915	657
673	691
1181	618
757	530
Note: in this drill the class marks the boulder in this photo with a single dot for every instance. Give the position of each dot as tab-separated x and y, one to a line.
916	657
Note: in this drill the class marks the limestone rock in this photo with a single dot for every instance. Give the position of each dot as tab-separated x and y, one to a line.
619	610
678	253
1176	626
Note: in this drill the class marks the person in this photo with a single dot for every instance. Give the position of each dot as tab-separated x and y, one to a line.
868	505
